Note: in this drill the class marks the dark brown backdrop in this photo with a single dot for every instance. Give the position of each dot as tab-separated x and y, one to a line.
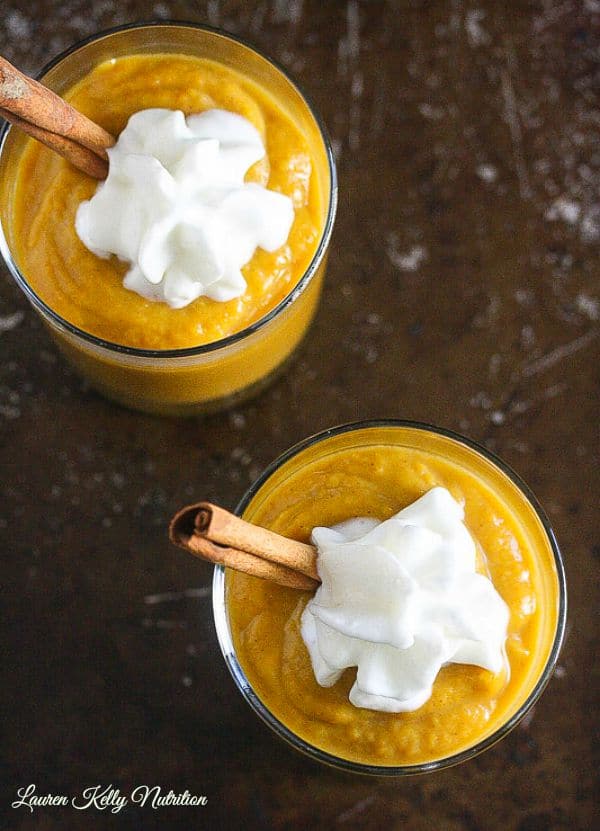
462	290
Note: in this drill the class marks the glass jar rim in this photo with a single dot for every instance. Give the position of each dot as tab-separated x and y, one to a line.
256	326
228	649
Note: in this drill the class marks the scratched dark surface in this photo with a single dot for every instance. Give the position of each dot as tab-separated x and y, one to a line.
463	290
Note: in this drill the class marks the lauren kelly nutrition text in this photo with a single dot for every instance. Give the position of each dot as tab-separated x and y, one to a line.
108	798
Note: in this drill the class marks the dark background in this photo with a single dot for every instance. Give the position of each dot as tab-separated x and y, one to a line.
462	290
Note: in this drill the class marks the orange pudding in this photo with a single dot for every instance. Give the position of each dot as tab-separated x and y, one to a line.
375	471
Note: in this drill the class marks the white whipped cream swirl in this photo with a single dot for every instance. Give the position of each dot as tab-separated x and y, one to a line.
398	600
176	207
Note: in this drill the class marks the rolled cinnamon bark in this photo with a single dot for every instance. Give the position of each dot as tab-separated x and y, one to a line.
213	533
33	102
83	159
225	528
249	564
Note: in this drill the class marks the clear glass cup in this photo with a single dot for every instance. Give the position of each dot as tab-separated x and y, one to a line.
504	484
216	375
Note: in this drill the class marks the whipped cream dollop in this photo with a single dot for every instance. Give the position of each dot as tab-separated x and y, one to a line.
176	207
398	600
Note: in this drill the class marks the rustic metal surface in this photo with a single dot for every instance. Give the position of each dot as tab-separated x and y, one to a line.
462	290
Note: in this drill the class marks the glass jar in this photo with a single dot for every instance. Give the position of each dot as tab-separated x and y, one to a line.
210	377
345	472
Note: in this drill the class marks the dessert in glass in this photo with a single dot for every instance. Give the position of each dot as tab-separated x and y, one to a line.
354	483
139	326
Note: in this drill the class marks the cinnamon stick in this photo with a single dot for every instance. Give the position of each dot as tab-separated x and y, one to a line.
248	563
83	159
47	117
213	533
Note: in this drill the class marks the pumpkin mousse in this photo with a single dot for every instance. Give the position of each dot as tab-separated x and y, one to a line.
449	645
86	289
